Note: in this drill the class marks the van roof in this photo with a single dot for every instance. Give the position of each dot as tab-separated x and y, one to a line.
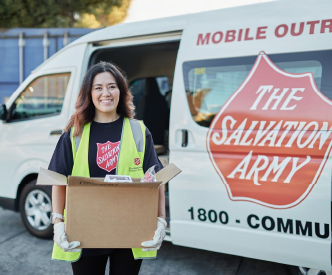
275	9
169	24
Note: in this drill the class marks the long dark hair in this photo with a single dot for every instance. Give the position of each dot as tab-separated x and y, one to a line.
85	110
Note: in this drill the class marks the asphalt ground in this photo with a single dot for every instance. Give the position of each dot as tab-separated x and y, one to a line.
21	253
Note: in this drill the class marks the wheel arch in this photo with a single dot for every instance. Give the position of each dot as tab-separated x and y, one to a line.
26	172
28	178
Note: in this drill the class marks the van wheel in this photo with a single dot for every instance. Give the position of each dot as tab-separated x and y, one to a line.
299	270
36	209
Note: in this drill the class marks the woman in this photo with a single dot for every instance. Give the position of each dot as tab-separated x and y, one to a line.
103	116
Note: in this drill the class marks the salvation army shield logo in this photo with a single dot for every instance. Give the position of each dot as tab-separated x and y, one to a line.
107	155
271	139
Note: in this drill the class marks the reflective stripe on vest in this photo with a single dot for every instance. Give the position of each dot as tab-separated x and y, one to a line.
133	136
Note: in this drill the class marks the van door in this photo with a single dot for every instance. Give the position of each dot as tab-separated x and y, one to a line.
37	115
246	202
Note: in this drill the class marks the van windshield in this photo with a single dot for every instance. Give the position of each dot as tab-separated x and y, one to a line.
209	83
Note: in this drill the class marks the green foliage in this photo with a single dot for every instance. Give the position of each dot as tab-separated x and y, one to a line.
50	13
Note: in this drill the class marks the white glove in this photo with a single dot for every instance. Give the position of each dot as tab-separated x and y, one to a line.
158	238
61	240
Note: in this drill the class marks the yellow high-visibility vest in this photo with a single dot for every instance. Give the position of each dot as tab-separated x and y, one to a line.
132	146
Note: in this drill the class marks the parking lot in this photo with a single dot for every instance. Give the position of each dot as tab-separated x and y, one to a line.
21	253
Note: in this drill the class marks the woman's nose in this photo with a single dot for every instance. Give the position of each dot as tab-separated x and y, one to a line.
106	91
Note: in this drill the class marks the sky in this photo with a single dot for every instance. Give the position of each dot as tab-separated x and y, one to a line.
149	9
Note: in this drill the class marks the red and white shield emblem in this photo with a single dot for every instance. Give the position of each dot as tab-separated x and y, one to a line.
271	139
137	161
107	155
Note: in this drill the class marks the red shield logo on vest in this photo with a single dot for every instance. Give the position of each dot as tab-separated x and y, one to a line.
271	139
107	155
137	161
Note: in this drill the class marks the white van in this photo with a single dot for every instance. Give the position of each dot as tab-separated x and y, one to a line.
239	99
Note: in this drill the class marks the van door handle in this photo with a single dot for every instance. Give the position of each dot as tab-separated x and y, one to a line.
184	138
56	133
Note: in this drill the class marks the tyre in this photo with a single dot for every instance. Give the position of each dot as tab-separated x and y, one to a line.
36	208
298	270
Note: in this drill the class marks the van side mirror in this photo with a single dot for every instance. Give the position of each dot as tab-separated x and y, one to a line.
3	112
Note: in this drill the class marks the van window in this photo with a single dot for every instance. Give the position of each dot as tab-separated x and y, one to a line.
43	96
209	83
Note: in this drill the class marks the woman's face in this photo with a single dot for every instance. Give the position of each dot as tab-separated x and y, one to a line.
105	93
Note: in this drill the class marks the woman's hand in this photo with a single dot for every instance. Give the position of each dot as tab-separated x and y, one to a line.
61	240
158	238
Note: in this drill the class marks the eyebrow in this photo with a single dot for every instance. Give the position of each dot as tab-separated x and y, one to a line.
102	85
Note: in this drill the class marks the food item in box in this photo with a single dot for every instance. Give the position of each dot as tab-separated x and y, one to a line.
150	175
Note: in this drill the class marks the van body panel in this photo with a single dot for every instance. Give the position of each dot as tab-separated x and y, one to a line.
236	241
18	156
29	141
203	215
28	167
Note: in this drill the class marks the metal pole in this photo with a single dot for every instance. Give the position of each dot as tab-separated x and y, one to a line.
66	39
46	43
21	44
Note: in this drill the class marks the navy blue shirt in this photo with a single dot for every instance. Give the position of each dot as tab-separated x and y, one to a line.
102	156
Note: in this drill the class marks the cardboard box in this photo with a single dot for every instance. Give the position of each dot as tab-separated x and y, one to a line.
110	215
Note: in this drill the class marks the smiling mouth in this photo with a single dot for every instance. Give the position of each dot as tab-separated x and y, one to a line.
106	101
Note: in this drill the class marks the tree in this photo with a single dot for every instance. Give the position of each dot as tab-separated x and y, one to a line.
102	18
56	13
